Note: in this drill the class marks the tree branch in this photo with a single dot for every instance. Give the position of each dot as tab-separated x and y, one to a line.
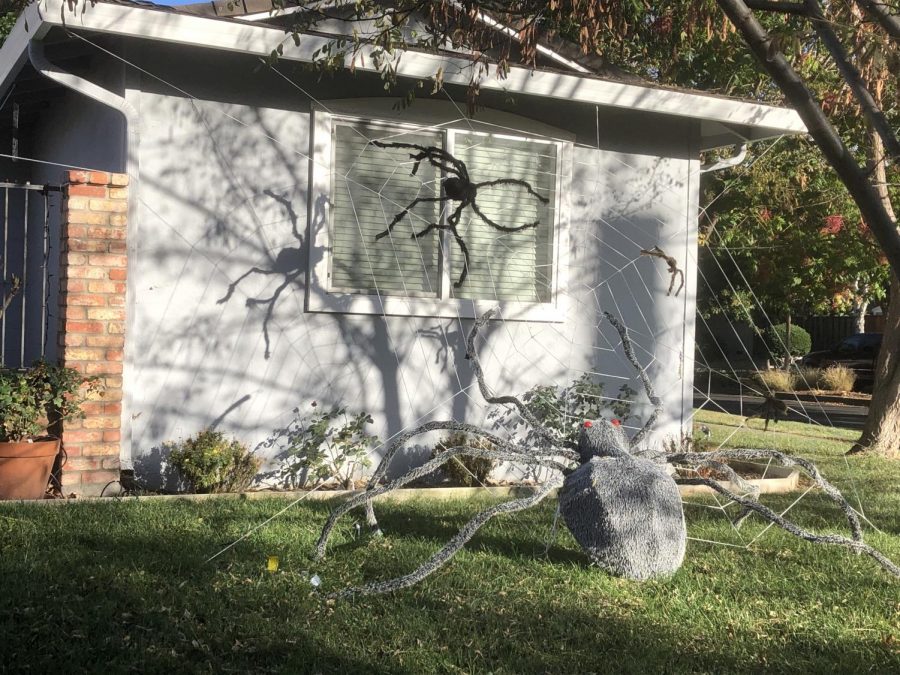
783	7
829	141
853	78
881	13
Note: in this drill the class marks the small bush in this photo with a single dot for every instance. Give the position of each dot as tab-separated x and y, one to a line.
212	463
684	443
808	378
463	469
777	380
837	378
561	410
327	447
776	339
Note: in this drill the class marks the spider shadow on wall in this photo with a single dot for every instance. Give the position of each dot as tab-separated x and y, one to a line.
291	263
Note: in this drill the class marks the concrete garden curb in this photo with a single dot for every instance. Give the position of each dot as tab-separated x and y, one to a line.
821	398
779	479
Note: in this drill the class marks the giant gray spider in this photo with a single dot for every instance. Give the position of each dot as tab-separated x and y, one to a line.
623	509
457	187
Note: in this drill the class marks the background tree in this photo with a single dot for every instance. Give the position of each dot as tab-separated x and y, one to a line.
783	227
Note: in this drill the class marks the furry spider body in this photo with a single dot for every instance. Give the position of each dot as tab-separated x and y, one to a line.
457	187
623	510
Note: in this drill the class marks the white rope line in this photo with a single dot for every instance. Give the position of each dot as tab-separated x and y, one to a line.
793	504
261	525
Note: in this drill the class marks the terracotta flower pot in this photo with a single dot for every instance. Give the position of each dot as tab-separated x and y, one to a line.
25	468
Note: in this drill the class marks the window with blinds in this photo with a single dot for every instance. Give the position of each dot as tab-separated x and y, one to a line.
514	266
371	185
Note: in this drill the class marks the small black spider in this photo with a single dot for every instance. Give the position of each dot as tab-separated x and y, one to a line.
457	187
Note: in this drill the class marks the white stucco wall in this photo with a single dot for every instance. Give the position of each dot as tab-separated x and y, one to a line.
221	186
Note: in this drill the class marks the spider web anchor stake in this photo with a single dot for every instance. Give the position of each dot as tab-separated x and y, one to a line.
457	187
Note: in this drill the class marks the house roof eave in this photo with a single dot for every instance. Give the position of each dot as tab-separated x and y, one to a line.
14	52
751	120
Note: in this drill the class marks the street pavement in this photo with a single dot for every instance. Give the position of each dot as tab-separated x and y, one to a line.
828	414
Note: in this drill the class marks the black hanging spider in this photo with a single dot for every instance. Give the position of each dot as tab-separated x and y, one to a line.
457	187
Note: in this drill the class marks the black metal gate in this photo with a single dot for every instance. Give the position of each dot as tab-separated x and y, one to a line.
29	278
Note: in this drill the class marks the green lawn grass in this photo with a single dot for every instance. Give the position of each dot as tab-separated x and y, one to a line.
123	586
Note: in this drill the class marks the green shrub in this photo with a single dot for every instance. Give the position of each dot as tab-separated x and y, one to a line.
327	447
837	378
776	340
463	469
209	462
561	410
29	398
777	380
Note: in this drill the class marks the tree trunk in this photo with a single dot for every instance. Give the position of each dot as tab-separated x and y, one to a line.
787	343
860	305
881	433
859	314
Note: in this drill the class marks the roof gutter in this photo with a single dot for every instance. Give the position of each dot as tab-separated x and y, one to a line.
45	67
740	154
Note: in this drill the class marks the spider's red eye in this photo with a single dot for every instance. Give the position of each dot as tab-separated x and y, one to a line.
588	424
615	422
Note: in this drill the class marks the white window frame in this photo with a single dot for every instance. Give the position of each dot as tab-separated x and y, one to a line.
322	298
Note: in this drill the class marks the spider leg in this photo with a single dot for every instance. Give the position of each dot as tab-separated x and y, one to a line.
526	413
560	447
453	218
465	251
402	214
459	242
502	228
787	525
748	490
785	460
234	284
430	228
506	453
513	181
437	157
681	276
450	226
628	348
448	425
452	547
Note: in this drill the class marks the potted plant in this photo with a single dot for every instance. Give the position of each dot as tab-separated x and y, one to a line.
31	400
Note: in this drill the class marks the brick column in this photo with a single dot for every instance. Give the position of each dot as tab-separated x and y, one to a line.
92	274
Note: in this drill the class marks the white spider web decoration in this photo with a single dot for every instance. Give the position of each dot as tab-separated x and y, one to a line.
605	272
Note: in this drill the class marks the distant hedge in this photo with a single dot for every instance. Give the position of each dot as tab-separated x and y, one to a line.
776	339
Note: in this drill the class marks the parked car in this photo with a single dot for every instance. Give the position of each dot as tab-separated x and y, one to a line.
857	352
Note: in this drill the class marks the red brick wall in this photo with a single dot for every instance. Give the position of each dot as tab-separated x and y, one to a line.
93	271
